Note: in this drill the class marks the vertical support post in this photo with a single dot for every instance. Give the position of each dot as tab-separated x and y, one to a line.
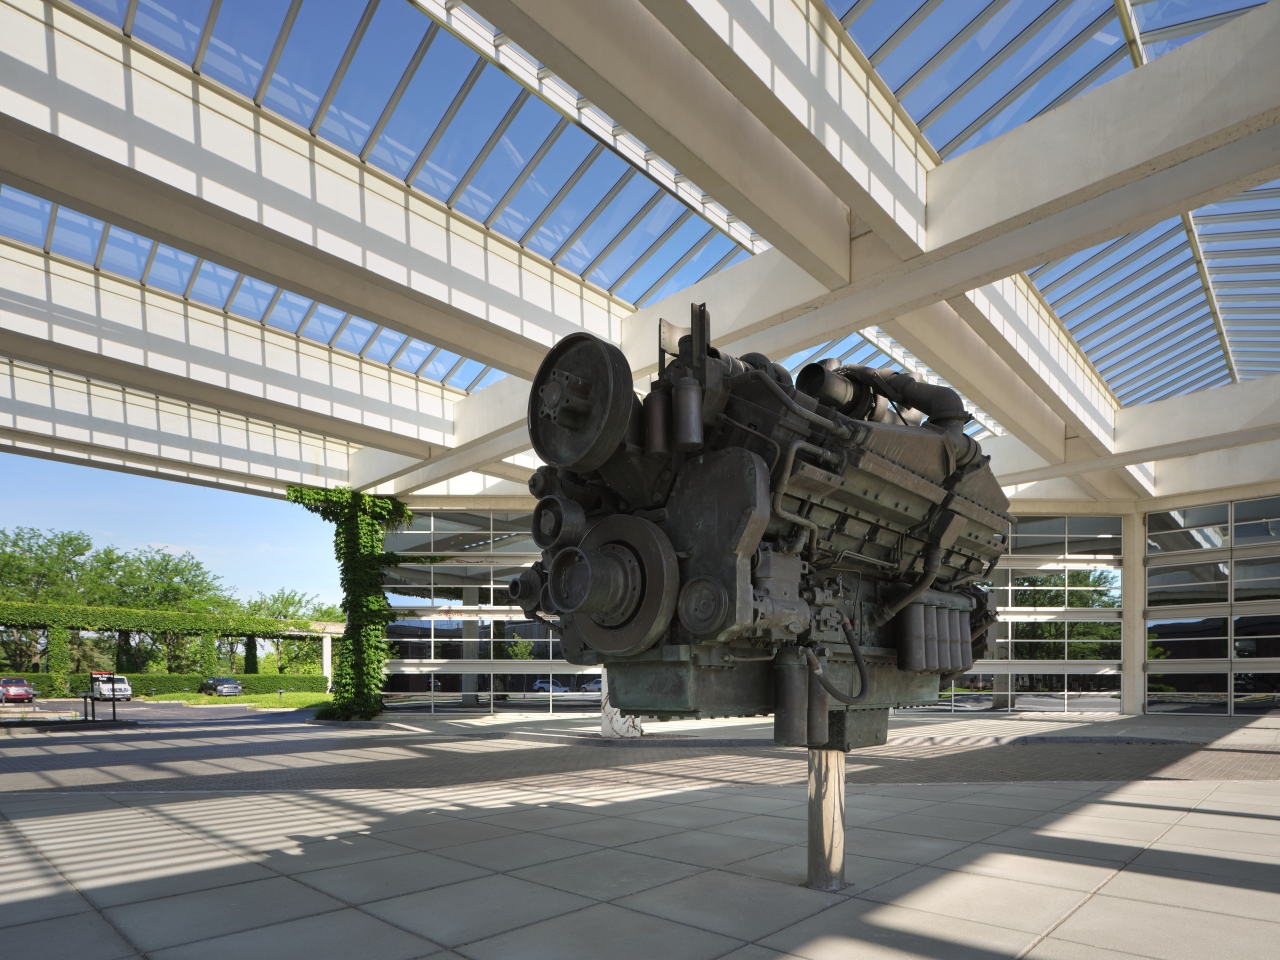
826	819
1133	625
326	660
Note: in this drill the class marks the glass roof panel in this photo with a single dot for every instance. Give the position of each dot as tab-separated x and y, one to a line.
125	253
488	380
435	83
481	112
692	270
469	370
380	61
548	177
657	261
252	299
512	153
355	335
605	171
289	311
438	367
311	55
638	239
213	284
243	37
323	324
112	11
173	26
414	355
385	346
609	223
24	217
76	235
170	270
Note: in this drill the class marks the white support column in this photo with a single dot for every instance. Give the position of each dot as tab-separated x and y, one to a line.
1133	630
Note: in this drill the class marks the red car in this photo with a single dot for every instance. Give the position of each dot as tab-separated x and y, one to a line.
17	689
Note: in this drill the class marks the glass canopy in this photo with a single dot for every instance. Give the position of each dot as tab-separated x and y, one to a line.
389	83
1160	312
67	233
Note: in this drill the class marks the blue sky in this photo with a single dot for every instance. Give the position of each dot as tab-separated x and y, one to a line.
255	544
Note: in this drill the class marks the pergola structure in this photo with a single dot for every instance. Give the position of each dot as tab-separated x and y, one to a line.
249	244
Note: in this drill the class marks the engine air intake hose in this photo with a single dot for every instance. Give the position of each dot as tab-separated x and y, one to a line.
864	678
886	612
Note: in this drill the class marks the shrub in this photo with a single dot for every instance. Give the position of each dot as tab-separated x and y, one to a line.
144	683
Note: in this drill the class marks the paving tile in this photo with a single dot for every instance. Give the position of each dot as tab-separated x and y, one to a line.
768	828
521	850
611	831
906	847
1071	845
748	804
1161	811
1171	933
607	874
332	853
1245	867
463	912
225	871
738	906
28	899
868	931
891	805
984	813
1259	900
944	828
608	930
388	877
1223	840
434	836
753	951
1049	869
168	921
1238	821
1142	831
702	849
1015	904
85	936
689	817
344	933
538	818
1052	948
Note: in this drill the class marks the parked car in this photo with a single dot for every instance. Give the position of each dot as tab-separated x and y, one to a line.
221	687
110	688
16	689
552	686
591	686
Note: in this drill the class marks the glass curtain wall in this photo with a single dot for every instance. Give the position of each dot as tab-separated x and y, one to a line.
1058	594
459	644
1213	609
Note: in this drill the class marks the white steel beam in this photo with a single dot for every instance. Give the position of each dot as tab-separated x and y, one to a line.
64	315
621	57
118	130
56	415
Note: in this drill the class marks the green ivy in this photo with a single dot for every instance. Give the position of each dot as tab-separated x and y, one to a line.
208	654
61	615
251	654
361	523
144	683
59	652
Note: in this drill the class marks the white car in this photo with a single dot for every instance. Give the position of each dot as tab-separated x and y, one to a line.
552	686
591	686
108	688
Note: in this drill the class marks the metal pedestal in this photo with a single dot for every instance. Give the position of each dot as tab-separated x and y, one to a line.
826	819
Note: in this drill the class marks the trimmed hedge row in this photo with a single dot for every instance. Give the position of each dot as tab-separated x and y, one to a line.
144	683
42	615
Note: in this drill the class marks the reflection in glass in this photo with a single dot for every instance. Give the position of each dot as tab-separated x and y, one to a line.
1187	693
1187	583
1257	693
1257	636
1257	521
1197	528
1257	579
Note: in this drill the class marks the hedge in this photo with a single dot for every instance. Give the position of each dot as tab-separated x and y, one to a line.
144	683
43	615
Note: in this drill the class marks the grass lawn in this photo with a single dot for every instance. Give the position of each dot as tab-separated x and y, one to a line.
295	700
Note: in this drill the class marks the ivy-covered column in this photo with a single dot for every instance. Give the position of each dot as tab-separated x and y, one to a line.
58	654
250	654
361	522
208	655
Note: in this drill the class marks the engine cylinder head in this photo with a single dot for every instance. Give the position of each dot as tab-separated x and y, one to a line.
930	638
657	420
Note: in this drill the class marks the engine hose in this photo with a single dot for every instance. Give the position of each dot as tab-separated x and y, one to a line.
840	430
863	677
932	561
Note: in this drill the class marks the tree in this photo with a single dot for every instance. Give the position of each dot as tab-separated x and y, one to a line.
361	523
292	654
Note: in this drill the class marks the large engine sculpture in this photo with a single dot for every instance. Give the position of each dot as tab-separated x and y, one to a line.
739	545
